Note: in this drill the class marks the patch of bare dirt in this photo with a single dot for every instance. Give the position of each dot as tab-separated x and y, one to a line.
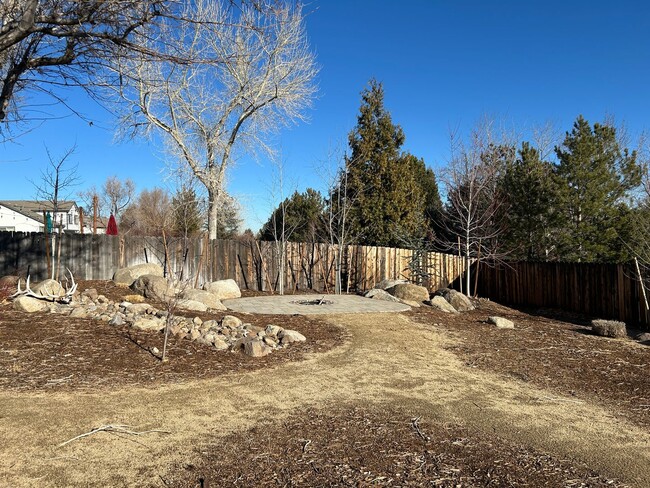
42	351
561	356
373	446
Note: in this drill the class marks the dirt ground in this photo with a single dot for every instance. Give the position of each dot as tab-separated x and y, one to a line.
415	399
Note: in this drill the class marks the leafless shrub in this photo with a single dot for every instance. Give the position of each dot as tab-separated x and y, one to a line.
609	328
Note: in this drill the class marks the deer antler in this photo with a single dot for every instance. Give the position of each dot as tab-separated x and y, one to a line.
46	294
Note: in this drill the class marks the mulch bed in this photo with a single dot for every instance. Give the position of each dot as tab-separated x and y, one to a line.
554	351
42	351
365	446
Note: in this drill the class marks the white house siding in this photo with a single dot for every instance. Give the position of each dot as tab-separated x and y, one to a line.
14	221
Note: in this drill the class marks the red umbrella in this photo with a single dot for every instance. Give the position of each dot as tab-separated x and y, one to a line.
111	229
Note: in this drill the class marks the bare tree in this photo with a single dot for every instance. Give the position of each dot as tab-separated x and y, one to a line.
256	75
57	179
117	194
50	45
474	202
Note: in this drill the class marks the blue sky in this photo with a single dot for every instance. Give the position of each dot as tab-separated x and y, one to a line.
444	64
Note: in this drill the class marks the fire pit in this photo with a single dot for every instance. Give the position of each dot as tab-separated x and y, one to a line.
318	301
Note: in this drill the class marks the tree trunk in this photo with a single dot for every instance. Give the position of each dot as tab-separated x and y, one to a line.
213	212
467	266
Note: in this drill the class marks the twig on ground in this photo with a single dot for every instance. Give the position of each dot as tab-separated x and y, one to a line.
123	429
416	426
558	399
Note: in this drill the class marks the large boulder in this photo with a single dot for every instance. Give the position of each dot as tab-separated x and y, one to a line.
441	304
48	287
126	276
409	292
288	336
209	299
192	305
223	289
149	323
379	294
256	348
30	304
153	287
386	284
457	300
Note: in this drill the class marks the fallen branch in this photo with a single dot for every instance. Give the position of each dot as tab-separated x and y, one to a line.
416	426
122	429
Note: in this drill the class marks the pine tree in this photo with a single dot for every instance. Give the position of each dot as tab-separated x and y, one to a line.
597	176
432	207
387	200
532	217
301	217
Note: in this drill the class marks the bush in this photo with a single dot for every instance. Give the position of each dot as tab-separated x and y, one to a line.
609	328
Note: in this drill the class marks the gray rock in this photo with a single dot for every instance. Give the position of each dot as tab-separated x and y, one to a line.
211	300
90	293
153	287
48	287
380	294
385	284
231	322
148	323
223	289
30	304
409	292
126	276
457	300
79	312
194	335
256	348
117	320
441	304
288	336
501	323
273	330
139	308
220	344
191	305
643	337
270	341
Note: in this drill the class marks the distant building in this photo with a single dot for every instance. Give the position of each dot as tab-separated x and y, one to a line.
27	216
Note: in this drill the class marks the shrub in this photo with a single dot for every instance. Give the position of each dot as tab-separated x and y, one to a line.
609	328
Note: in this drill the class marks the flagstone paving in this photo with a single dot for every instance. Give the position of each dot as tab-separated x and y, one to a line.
309	304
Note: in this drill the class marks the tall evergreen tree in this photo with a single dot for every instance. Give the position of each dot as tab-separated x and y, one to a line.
432	207
301	217
387	199
532	190
597	176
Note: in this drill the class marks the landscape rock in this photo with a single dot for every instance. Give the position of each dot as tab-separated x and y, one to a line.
288	336
48	287
153	287
134	298
79	313
148	323
441	304
609	328
223	289
90	293
211	300
139	308
457	300
385	284
30	304
117	320
231	322
501	322
643	337
126	276
409	292
256	348
380	294
220	344
273	330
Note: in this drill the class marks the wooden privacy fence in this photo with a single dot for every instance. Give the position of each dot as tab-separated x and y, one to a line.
607	291
253	265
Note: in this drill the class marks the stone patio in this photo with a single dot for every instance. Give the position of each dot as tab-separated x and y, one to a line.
333	304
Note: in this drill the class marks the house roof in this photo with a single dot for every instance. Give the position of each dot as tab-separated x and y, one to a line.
34	209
